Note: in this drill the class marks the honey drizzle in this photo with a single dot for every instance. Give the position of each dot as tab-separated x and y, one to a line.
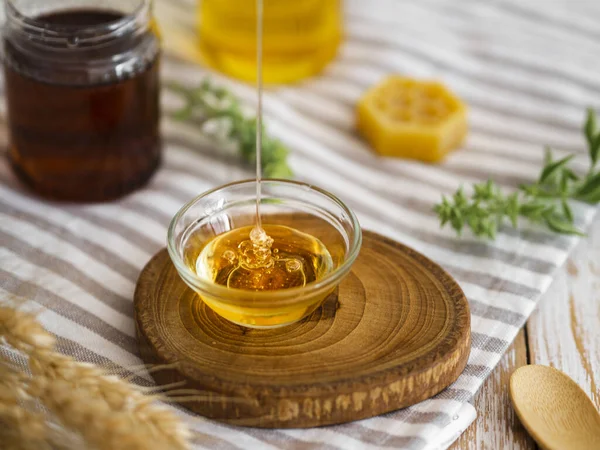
259	89
261	243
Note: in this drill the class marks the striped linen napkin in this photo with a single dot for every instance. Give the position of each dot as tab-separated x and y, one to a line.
527	73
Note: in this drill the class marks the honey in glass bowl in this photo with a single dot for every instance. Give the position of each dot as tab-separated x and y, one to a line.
289	258
314	239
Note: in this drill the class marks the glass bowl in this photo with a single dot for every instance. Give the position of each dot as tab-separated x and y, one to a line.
294	204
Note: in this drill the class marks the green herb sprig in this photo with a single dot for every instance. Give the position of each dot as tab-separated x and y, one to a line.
208	103
546	201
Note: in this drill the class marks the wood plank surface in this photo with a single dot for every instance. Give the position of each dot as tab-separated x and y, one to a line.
497	426
564	332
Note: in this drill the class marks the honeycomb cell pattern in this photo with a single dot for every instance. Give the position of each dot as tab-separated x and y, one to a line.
407	118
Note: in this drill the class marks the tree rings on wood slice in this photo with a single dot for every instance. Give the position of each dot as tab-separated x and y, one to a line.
396	332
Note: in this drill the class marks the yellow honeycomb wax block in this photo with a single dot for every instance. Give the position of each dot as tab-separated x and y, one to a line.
414	119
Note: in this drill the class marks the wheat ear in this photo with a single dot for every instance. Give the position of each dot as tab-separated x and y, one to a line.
106	412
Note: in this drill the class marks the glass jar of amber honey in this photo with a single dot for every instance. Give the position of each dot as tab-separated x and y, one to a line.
82	89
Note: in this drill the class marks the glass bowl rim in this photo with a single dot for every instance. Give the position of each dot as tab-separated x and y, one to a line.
224	292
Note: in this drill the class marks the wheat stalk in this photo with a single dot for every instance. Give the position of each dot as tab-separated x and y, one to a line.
22	331
18	423
63	400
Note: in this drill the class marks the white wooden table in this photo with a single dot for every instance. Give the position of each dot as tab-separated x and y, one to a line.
564	332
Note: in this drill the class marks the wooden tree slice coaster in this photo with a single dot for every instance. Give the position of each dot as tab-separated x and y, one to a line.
395	333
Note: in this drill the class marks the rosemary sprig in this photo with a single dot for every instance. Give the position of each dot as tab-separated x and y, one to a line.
546	201
208	103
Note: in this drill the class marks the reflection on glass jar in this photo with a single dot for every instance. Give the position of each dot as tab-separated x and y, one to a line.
300	37
82	88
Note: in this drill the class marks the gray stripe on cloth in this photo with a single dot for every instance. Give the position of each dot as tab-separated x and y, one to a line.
536	17
526	158
210	442
484	175
62	232
68	271
15	358
493	312
258	434
542	237
537	29
461	395
138	239
176	191
488	343
532	69
492	283
536	71
285	442
375	437
477	370
410	415
155	214
232	165
71	311
80	353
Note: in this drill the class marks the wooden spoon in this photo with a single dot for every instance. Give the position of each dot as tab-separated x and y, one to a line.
554	409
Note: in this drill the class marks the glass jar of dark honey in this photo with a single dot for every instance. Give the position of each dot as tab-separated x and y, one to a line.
82	89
